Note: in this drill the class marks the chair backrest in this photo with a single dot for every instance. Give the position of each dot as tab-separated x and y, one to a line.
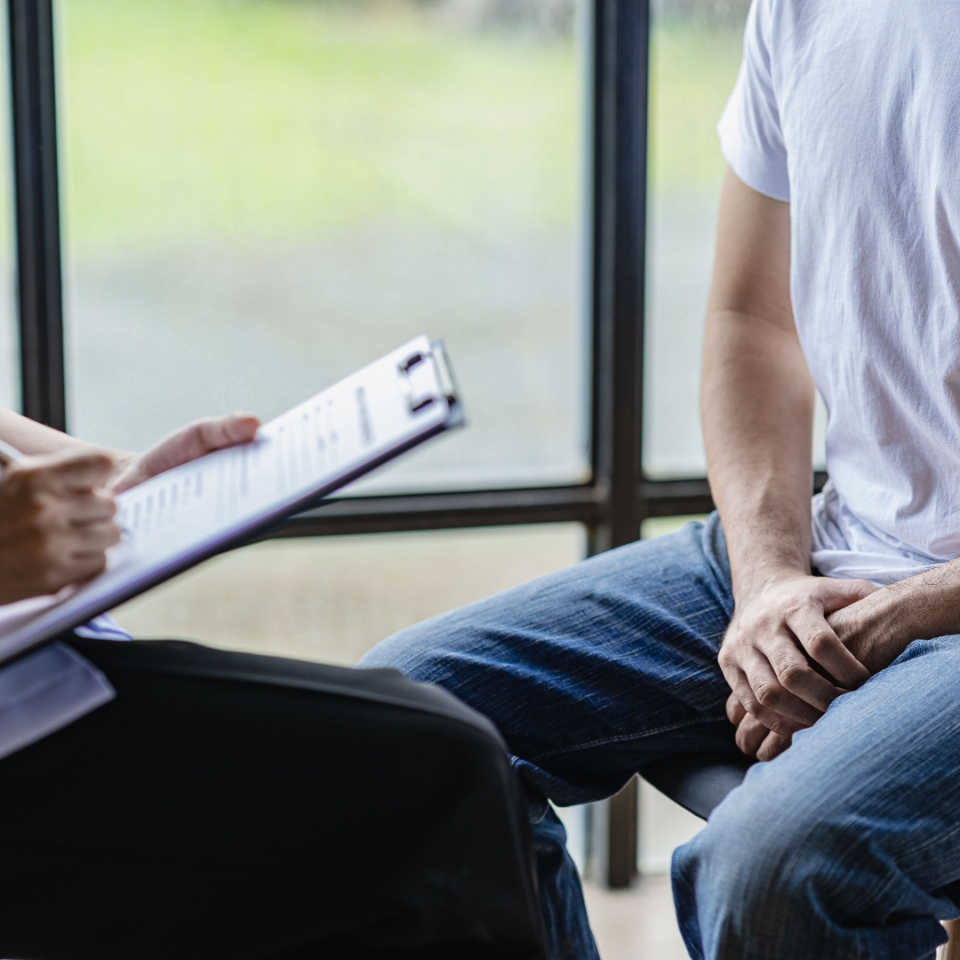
436	861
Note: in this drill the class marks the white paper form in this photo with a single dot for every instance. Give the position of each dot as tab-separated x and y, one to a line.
187	514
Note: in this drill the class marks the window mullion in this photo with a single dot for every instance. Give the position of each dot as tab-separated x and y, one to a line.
37	210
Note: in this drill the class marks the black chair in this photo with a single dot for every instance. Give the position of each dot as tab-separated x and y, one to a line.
461	884
697	781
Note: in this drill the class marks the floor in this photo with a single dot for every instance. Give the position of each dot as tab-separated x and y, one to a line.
635	924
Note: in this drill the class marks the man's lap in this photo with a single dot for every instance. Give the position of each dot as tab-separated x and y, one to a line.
594	670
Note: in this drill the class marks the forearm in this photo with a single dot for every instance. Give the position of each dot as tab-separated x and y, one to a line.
879	628
756	393
757	399
757	410
34	438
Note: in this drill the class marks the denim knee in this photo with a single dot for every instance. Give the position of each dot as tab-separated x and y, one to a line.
760	878
413	651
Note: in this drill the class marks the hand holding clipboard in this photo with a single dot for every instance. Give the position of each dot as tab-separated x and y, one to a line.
185	515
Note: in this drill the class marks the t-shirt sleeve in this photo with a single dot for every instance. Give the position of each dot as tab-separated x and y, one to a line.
750	135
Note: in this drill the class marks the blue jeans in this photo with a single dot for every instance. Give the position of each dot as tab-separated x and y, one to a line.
843	847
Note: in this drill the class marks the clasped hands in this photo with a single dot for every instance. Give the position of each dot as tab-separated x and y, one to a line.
57	510
793	646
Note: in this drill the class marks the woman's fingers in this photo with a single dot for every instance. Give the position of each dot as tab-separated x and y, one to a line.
91	508
215	433
56	522
62	474
187	444
90	538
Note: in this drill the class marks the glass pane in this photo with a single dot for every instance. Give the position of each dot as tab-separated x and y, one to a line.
695	49
9	333
262	195
333	598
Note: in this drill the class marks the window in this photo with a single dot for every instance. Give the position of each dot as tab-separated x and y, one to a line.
260	196
212	220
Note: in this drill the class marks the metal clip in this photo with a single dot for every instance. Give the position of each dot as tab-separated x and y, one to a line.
406	388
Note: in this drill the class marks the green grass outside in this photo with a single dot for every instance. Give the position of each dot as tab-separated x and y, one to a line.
254	119
692	72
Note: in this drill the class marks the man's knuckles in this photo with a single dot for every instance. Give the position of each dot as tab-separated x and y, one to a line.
769	694
819	644
794	676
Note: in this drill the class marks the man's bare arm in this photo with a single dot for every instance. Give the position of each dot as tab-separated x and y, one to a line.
756	393
880	627
757	401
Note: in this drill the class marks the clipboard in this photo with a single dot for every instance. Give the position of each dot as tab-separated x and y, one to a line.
186	515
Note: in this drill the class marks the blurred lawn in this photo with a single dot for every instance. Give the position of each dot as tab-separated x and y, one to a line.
260	118
268	116
693	67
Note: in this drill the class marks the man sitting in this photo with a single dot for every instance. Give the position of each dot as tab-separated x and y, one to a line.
829	628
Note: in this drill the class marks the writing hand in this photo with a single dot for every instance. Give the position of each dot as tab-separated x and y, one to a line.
56	522
182	446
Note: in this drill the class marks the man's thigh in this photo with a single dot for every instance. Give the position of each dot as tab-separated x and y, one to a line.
592	671
854	831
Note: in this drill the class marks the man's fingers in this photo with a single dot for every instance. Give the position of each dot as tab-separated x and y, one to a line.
750	735
771	719
816	636
771	693
772	746
735	711
755	740
834	594
796	675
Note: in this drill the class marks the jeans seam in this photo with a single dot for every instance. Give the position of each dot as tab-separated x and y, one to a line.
626	736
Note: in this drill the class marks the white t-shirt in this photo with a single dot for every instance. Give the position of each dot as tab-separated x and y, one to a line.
850	109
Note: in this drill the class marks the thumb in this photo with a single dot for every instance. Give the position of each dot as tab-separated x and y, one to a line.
189	443
197	440
835	594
